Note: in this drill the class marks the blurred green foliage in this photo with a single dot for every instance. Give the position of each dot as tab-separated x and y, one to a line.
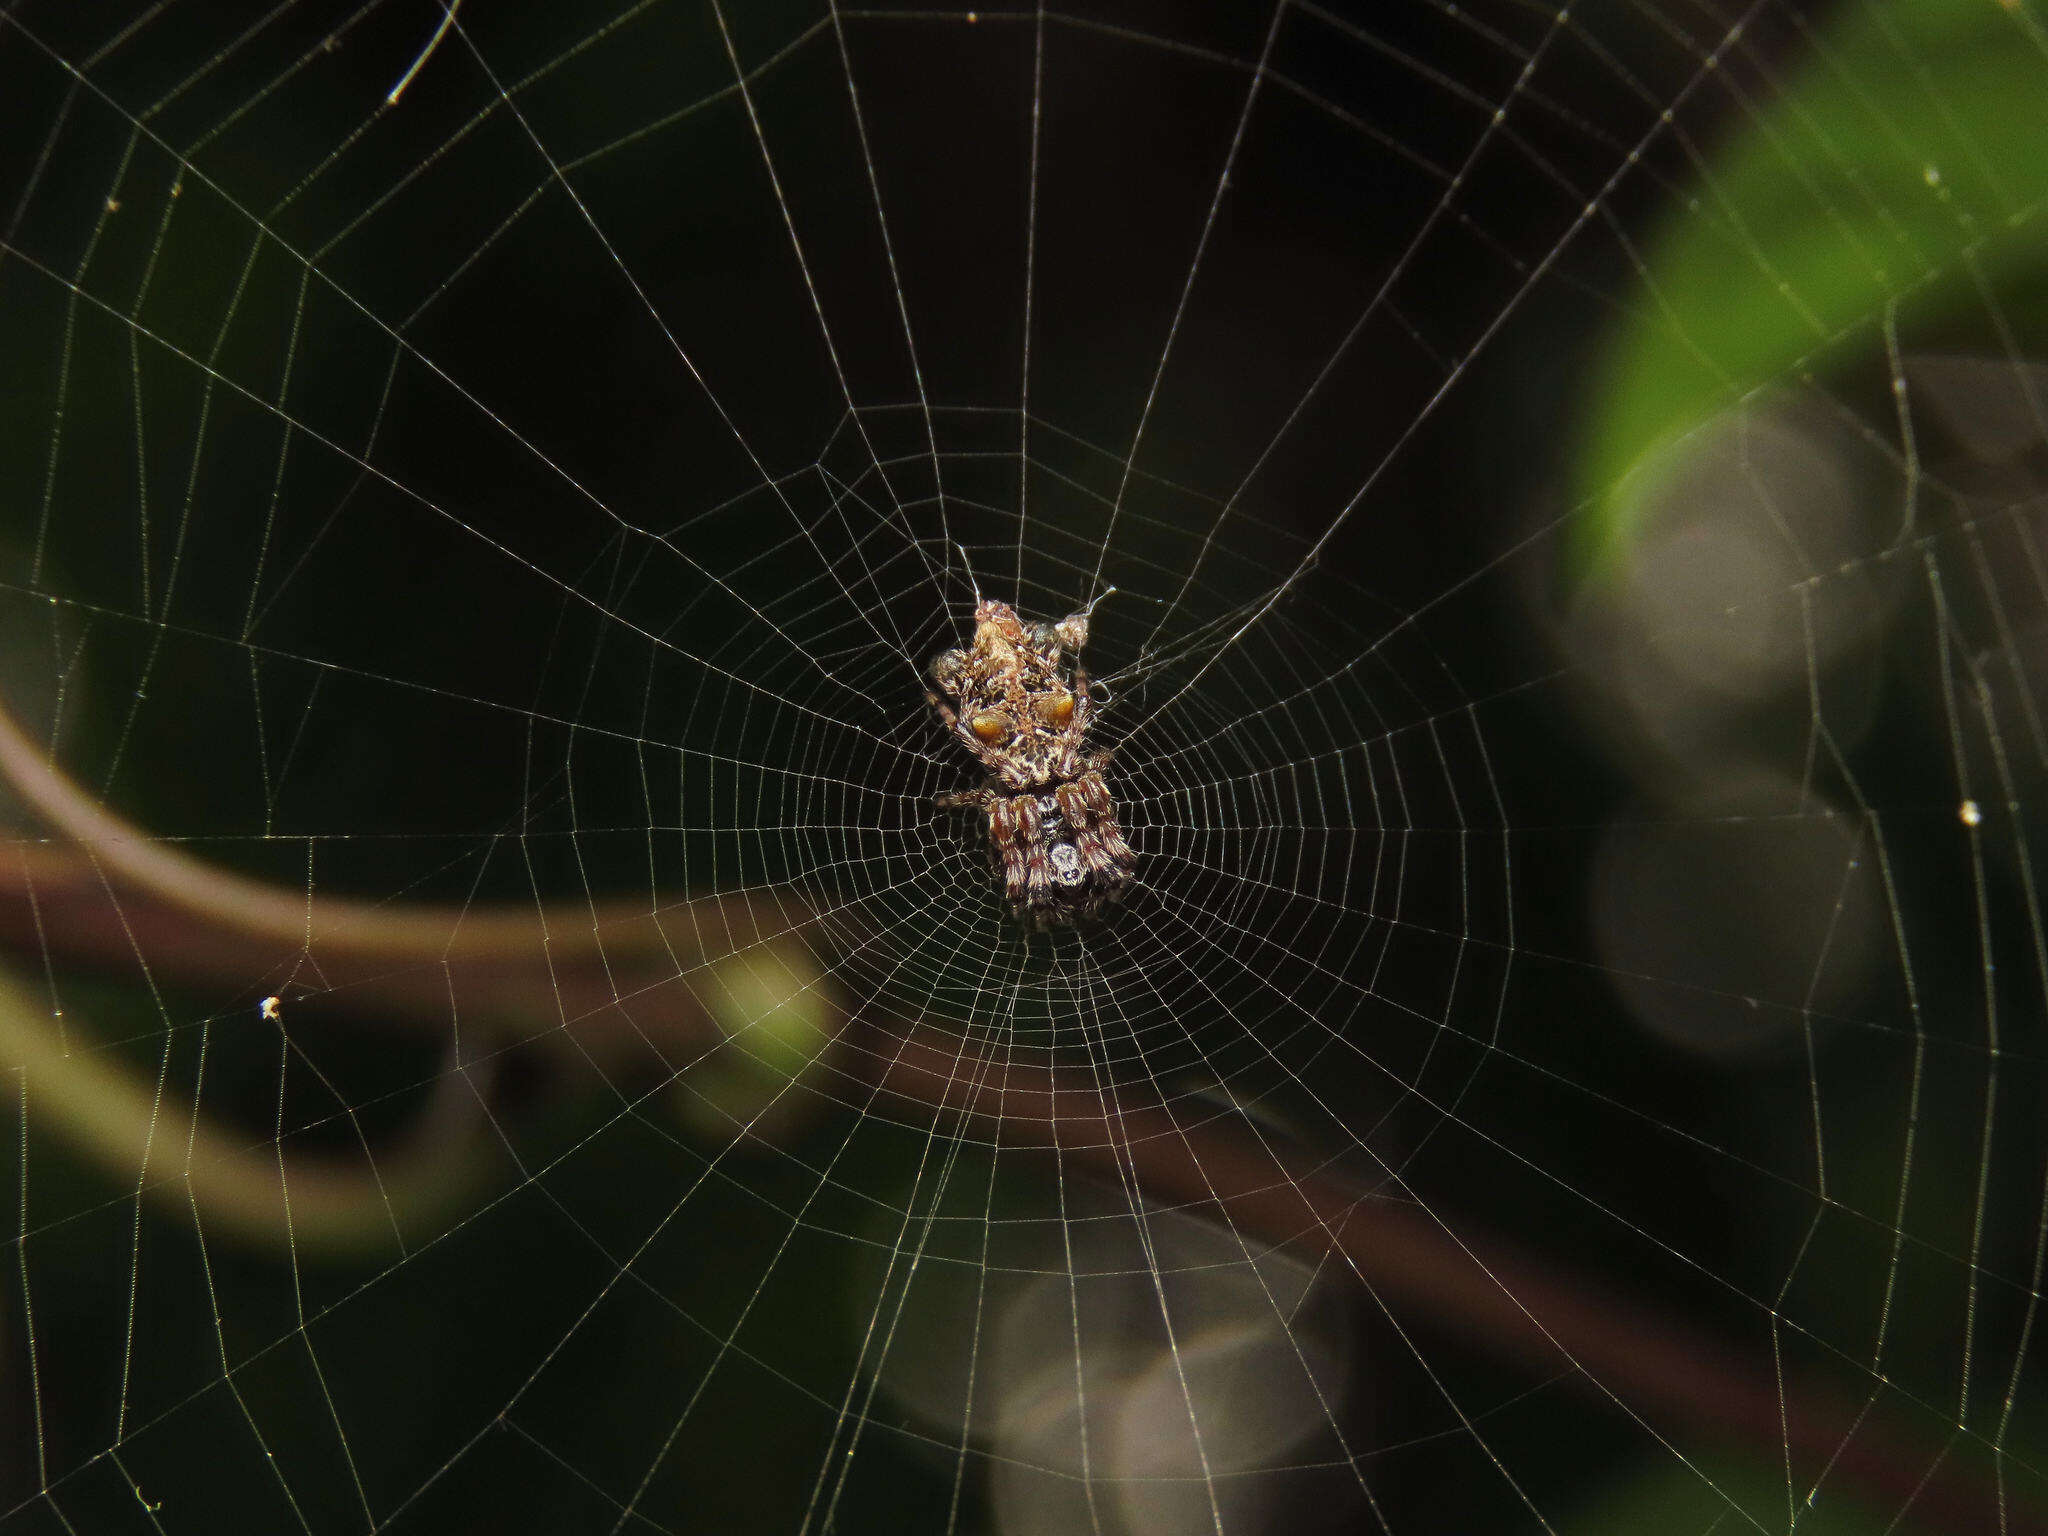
1898	166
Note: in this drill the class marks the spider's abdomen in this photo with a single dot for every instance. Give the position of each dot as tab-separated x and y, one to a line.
1062	855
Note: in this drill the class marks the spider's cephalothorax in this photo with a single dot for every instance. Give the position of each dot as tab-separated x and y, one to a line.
1051	825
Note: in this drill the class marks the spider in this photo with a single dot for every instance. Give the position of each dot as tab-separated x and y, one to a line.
1052	828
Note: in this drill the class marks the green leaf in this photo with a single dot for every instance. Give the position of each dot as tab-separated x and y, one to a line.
1903	148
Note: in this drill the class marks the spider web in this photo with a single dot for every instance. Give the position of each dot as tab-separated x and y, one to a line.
504	1037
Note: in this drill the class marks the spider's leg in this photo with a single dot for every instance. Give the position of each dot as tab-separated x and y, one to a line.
1086	808
1097	794
1006	841
963	800
1122	858
1037	890
1090	812
1075	807
1081	822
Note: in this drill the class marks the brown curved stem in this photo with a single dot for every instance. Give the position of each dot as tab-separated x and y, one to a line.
255	1193
605	983
1480	1290
131	861
613	979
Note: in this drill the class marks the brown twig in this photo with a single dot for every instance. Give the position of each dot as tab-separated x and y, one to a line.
610	980
1480	1290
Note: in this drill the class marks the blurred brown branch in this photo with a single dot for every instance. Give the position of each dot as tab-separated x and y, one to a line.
608	983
